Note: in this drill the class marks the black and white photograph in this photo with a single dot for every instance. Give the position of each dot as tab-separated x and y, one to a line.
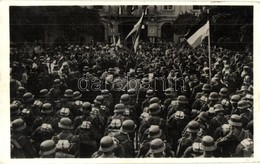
131	81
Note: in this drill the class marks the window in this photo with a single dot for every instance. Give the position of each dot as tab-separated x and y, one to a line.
168	7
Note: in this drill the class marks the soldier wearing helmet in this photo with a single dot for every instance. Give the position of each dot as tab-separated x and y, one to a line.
66	127
106	148
87	137
212	100
229	142
47	149
219	120
149	94
203	98
22	146
42	133
245	112
189	137
126	138
153	119
208	145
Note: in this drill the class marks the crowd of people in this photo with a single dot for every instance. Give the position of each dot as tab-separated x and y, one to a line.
100	101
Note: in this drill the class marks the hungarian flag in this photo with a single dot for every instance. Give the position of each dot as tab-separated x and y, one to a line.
197	33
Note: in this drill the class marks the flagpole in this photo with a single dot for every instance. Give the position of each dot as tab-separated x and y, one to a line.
209	48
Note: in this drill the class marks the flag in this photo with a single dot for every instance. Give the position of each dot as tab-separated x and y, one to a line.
118	44
197	33
137	27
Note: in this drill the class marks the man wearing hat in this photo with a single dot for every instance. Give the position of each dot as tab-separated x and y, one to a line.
189	137
21	144
170	96
149	94
108	100
208	145
229	142
125	137
87	138
182	105
66	126
47	149
225	100
56	91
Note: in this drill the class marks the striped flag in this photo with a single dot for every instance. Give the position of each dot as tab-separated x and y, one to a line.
136	30
197	33
137	27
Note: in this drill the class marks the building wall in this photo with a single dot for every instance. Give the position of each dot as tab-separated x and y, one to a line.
156	17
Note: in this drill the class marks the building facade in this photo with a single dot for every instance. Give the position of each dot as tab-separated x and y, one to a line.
117	21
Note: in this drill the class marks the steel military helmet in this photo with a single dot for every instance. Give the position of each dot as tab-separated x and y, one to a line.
68	93
18	125
154	132
65	123
77	95
206	87
235	120
119	108
208	144
99	99
157	146
182	99
193	127
28	97
86	106
47	147
154	100
235	99
128	126
64	112
223	92
154	108
149	93
107	144
43	93
214	96
125	98
131	92
243	104
46	108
